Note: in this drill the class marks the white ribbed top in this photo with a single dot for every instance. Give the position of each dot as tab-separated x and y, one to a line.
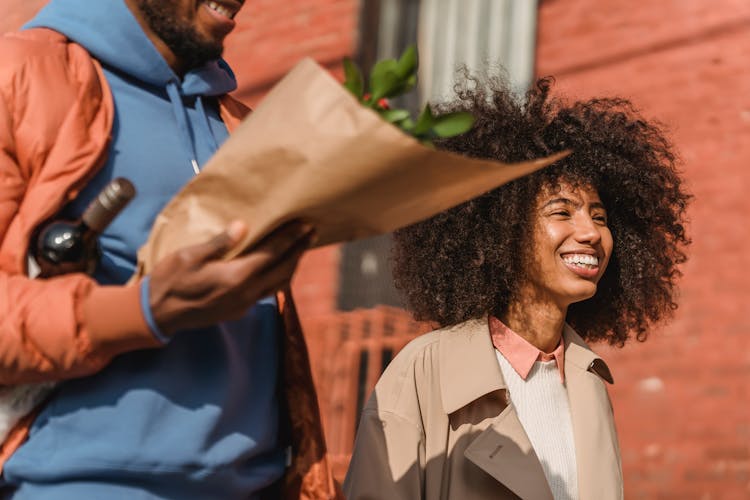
541	402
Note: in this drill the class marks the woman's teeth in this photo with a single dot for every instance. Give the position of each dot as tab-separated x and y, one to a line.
582	260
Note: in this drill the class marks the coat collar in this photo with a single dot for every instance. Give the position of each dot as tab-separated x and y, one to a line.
471	340
460	386
578	354
503	450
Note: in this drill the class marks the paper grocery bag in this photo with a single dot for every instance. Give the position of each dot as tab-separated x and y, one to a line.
311	151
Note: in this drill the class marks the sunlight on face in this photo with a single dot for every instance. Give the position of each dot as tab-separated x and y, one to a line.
194	30
571	244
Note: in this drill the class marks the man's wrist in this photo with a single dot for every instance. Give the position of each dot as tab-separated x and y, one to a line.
148	314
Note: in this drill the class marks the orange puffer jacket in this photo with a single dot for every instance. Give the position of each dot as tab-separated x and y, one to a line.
56	115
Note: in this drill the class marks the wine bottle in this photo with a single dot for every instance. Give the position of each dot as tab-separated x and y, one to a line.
62	246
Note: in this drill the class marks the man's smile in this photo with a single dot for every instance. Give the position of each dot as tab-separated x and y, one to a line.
226	9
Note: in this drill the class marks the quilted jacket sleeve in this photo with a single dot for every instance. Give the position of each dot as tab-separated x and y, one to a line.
49	109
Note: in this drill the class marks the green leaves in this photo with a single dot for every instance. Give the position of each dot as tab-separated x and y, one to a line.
395	115
425	121
391	78
384	82
408	63
452	124
354	82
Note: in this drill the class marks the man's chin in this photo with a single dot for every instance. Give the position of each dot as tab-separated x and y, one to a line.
196	55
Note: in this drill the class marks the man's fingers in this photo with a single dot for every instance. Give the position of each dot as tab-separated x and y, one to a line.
219	244
277	244
236	230
277	275
194	287
281	238
247	272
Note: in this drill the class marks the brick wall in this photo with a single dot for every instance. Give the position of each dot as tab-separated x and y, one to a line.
681	399
272	36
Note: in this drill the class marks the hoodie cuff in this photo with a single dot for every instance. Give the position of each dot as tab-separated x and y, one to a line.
148	314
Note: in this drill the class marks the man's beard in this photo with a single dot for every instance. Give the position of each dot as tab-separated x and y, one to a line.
179	35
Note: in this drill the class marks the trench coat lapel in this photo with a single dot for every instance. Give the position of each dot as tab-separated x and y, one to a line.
597	451
503	449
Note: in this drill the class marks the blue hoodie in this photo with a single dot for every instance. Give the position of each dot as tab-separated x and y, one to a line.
199	417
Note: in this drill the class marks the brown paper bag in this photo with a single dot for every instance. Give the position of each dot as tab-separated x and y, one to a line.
310	151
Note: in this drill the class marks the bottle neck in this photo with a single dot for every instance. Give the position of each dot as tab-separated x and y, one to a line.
105	207
87	232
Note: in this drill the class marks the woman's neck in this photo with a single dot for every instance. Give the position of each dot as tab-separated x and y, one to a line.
540	323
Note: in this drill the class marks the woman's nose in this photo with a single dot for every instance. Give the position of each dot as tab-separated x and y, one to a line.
586	230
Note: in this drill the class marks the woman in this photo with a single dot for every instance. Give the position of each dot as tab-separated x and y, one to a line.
506	399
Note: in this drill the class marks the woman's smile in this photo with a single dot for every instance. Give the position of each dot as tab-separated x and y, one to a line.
571	244
582	264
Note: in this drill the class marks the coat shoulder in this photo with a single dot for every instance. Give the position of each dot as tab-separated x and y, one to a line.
411	377
421	351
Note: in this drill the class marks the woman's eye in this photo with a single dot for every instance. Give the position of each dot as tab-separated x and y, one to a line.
602	219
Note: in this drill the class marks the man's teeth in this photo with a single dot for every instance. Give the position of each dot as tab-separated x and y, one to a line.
582	260
220	9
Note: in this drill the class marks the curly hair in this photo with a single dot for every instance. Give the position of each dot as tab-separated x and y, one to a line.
467	262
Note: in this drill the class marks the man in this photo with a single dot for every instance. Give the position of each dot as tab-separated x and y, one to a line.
171	388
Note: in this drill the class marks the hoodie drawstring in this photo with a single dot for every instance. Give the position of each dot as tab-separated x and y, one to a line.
206	126
186	131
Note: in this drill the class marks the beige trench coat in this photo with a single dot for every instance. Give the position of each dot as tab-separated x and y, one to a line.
439	426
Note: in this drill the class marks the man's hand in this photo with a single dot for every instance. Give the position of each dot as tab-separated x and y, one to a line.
194	287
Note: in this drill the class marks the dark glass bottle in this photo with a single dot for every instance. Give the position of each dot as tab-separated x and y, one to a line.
61	246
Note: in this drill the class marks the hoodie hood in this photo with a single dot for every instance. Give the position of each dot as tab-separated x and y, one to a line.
110	32
112	35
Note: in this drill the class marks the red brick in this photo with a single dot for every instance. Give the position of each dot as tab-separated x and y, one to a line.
684	62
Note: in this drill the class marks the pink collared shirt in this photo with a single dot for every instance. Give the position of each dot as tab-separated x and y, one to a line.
520	353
